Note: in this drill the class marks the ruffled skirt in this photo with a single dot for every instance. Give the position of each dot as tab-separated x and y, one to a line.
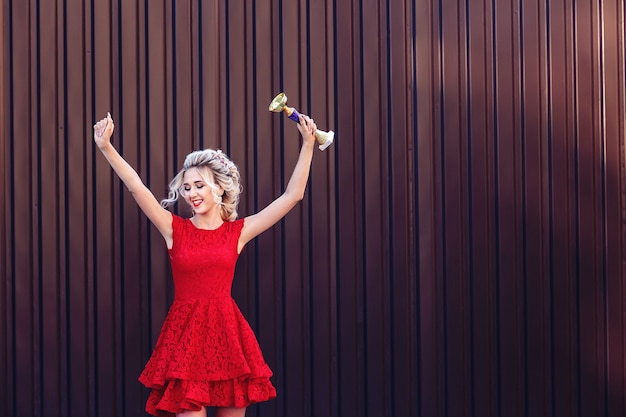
206	355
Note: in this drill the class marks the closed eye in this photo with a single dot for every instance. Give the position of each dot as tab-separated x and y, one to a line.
197	184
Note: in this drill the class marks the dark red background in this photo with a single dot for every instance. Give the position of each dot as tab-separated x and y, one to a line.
460	250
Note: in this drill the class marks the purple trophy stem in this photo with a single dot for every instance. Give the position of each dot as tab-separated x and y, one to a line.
295	116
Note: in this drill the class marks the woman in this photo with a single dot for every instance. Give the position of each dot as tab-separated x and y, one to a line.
206	353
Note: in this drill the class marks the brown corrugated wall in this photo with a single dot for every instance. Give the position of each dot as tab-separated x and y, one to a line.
461	248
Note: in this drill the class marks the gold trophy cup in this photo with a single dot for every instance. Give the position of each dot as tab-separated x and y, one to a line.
279	104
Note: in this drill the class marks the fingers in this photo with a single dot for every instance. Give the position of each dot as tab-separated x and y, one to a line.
307	124
108	118
102	122
104	126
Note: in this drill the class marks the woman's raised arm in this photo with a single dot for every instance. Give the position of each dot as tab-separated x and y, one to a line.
160	217
294	193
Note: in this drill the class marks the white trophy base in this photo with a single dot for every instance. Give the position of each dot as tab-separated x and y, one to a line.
329	140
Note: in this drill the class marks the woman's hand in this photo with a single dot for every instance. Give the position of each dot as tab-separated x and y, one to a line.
103	130
307	129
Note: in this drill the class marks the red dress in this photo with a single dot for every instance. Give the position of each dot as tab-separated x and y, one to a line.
206	354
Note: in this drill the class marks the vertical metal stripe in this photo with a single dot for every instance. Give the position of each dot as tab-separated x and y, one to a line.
496	209
174	91
200	77
256	200
283	248
551	370
524	214
148	150
38	271
336	198
470	210
11	395
66	326
227	75
575	103
389	105
603	204
91	322
309	407
117	285
4	299
443	261
92	332
414	123
362	216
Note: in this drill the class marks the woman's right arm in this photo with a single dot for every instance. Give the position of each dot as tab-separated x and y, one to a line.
159	216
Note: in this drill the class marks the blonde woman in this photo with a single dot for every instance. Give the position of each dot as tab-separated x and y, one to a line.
206	354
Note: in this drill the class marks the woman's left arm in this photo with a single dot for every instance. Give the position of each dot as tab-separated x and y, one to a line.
257	223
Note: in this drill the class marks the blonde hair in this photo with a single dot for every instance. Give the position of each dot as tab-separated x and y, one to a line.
225	176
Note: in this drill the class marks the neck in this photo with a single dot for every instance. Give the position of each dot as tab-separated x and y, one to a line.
211	220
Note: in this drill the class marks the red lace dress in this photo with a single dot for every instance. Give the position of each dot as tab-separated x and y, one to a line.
206	354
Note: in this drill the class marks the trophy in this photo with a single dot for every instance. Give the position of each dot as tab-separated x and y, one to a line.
279	104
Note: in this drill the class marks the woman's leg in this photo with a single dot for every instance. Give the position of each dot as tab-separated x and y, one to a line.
230	412
200	413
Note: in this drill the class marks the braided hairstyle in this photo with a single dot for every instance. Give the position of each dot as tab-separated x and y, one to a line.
225	175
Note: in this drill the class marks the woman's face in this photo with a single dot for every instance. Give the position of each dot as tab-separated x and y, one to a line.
197	193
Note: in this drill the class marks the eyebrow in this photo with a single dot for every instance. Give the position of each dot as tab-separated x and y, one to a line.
195	182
